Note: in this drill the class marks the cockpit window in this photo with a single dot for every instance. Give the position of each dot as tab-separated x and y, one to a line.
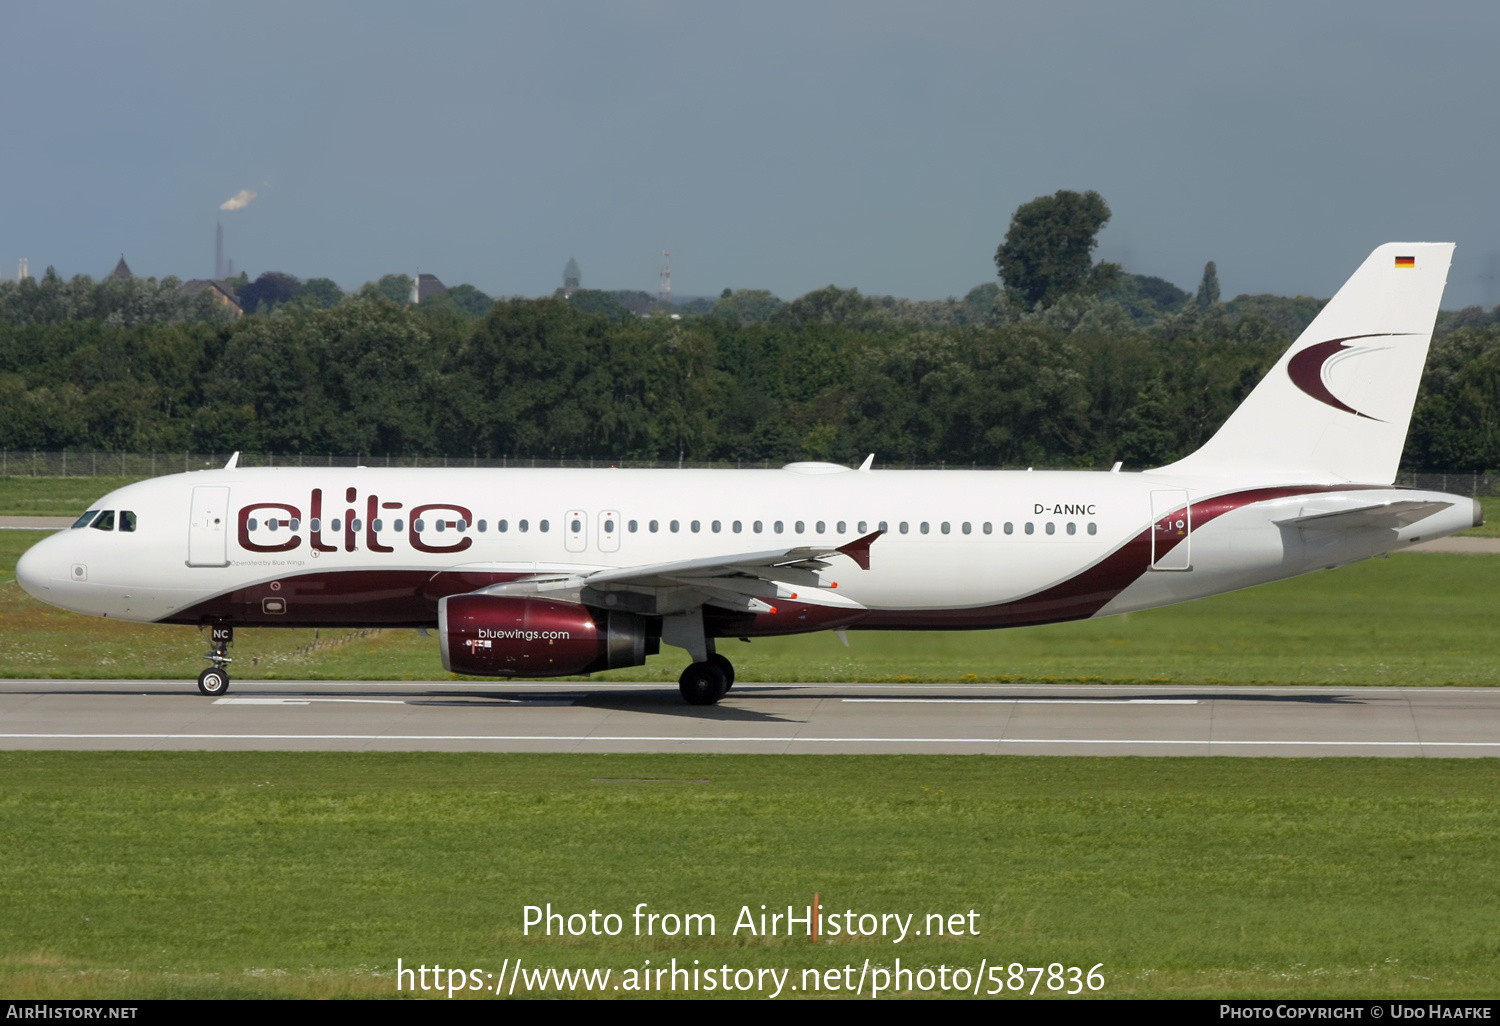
127	520
83	521
106	521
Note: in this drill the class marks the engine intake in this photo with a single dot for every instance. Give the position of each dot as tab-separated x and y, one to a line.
502	636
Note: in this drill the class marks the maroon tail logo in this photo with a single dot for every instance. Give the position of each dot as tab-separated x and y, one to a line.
1306	369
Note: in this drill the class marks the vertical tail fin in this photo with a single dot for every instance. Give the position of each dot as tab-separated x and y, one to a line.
1337	404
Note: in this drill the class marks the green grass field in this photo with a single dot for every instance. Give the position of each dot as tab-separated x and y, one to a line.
1409	620
54	496
277	874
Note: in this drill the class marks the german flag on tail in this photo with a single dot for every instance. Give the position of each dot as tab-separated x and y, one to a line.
1410	261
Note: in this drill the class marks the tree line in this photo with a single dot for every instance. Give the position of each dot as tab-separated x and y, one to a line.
832	375
1064	362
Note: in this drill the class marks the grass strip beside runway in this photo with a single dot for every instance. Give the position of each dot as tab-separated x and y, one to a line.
55	496
1411	620
308	874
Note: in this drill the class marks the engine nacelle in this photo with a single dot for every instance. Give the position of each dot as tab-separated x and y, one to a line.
504	636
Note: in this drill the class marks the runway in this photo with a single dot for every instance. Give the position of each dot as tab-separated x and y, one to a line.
754	718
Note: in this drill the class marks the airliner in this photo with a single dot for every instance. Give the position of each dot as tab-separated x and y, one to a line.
546	573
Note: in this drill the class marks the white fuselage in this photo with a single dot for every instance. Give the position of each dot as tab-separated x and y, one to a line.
962	549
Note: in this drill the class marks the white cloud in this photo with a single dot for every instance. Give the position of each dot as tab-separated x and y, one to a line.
238	201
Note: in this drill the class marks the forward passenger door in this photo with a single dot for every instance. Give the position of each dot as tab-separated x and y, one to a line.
208	528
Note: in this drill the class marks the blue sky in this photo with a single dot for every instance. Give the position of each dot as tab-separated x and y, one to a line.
767	145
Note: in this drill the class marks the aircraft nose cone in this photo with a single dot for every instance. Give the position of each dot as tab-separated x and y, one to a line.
30	572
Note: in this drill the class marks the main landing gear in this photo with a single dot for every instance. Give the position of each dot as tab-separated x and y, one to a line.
214	681
706	682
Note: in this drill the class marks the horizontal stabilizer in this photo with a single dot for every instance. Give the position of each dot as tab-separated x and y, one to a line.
1388	515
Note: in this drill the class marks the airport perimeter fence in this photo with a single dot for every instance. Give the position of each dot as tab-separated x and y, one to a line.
90	463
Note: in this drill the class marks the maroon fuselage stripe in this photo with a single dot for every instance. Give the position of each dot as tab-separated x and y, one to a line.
1081	596
409	598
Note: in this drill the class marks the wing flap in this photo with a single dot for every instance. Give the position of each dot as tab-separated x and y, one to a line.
745	581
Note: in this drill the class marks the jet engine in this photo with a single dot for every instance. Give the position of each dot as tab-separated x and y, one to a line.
506	636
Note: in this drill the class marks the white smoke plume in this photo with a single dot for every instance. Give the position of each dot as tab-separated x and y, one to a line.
238	201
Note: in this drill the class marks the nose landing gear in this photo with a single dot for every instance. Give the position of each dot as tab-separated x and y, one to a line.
215	680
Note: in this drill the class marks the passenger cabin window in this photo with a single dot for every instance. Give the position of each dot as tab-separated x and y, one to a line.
801	526
675	526
1030	527
1093	529
697	526
400	525
654	526
482	526
905	527
989	528
716	527
947	527
738	527
1051	527
127	521
522	525
1010	528
863	527
543	526
106	521
842	527
968	527
778	527
1072	528
633	526
84	520
756	527
821	526
926	527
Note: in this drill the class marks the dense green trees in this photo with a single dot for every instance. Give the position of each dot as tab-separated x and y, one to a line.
1048	251
1137	373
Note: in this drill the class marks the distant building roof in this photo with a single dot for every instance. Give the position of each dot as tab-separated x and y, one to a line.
121	271
428	285
223	292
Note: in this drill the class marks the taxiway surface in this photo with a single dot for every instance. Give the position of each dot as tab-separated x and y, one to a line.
764	718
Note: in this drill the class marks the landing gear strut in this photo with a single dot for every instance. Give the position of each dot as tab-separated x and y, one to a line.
706	682
215	680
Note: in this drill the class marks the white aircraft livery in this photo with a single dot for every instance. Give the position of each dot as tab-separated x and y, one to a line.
539	573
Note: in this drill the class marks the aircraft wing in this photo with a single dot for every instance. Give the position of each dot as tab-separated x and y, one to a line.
742	581
1388	515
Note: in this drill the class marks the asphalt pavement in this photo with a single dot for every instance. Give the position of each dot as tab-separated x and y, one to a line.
761	718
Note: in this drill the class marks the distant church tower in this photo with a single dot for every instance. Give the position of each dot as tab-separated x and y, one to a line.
122	270
571	275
